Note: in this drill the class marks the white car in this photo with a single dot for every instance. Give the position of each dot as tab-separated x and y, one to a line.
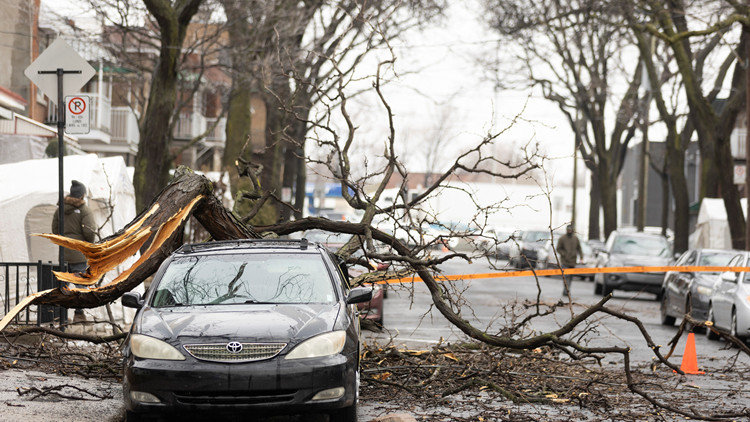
729	306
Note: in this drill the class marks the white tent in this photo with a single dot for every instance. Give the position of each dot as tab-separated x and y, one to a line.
712	228
29	196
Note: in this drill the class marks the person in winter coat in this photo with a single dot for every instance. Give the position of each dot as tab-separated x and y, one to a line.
568	248
77	224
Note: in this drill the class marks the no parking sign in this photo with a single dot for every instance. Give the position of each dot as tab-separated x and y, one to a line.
77	114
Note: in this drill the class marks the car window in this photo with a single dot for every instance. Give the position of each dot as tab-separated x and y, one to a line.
715	259
641	245
244	278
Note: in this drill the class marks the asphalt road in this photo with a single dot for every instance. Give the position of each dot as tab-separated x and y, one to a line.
410	321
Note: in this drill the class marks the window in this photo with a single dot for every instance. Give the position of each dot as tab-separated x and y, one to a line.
245	278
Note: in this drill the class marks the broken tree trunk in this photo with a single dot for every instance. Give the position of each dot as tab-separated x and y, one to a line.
160	227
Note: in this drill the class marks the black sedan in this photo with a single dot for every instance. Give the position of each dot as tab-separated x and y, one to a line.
253	325
689	292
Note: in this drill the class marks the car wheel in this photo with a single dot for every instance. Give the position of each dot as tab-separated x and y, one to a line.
710	334
733	327
137	417
665	318
347	414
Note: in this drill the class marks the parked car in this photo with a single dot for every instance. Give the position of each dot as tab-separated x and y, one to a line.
626	248
260	326
430	235
689	291
496	241
546	258
729	306
328	239
372	310
528	246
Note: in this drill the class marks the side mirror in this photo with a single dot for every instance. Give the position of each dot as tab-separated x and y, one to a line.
729	276
359	295
132	300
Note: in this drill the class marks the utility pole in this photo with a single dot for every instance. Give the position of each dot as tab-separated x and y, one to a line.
575	170
643	162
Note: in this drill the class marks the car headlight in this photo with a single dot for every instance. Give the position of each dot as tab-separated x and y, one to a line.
146	347
703	290
323	345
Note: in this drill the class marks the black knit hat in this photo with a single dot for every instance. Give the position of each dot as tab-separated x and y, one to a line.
77	189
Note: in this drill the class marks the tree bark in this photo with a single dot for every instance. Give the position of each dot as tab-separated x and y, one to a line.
153	160
594	207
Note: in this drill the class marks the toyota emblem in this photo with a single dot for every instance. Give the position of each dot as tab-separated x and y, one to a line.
234	347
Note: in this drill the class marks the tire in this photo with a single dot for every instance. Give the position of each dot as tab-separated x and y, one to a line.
665	318
710	334
597	288
733	325
347	414
137	417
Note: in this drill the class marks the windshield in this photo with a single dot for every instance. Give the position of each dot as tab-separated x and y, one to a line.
535	236
715	259
244	278
641	245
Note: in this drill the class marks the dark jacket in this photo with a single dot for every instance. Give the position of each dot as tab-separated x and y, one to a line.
78	224
568	247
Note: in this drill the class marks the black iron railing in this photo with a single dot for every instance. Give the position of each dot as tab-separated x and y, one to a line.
21	279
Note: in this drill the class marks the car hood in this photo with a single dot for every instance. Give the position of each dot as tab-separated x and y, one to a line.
239	322
640	260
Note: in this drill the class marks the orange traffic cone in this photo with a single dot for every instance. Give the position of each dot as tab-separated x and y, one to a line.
690	358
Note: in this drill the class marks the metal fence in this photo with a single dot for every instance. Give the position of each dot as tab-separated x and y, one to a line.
21	279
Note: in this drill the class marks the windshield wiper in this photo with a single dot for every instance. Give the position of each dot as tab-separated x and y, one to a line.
258	302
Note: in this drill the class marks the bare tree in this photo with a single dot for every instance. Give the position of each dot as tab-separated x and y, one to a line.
574	55
671	22
289	47
668	92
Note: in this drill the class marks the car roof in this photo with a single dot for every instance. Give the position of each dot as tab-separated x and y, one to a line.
638	234
246	245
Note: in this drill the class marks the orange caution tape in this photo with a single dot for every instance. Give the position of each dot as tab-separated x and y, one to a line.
572	271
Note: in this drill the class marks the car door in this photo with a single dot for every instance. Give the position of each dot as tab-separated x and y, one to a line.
683	282
723	296
671	284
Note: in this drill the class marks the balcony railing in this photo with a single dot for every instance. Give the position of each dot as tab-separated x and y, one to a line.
218	135
124	126
189	125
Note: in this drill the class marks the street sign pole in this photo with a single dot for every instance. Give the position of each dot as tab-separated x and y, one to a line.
60	72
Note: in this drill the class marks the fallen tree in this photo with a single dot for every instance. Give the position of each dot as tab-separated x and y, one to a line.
158	231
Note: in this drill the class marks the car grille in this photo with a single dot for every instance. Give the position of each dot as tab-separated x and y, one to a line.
231	398
219	353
